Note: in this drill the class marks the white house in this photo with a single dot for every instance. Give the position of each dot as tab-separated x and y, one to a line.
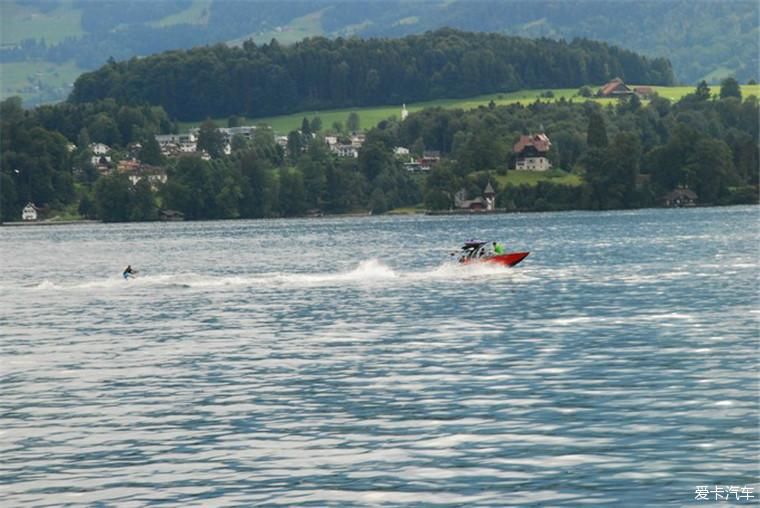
177	143
29	212
401	151
99	148
531	153
345	151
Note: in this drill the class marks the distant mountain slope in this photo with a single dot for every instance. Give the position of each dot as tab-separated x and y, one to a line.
703	39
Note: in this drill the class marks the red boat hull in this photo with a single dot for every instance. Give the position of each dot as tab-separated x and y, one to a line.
508	259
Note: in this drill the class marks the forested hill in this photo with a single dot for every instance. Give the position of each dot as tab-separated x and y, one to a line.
319	73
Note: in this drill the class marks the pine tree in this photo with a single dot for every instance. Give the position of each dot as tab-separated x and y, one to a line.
596	134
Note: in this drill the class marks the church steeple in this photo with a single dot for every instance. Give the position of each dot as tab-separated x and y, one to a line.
404	112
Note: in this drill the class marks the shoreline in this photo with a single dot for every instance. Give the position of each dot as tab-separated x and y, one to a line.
391	213
49	223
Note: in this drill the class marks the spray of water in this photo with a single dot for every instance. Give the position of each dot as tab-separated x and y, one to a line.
370	271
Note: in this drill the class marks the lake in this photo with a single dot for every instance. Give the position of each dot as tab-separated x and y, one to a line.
350	362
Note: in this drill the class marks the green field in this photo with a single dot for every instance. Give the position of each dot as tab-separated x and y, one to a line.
297	30
37	82
369	117
515	178
19	22
196	14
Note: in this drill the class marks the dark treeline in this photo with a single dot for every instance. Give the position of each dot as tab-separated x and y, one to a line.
625	156
318	73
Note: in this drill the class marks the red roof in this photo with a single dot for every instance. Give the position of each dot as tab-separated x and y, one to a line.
615	86
538	141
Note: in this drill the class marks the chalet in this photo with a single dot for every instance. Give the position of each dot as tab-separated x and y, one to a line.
614	89
679	197
645	92
531	153
99	148
29	212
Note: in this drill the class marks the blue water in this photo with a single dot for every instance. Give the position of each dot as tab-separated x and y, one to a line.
347	362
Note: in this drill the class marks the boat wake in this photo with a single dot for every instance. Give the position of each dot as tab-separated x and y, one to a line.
371	271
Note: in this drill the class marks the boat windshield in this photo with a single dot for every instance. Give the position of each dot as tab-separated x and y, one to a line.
475	250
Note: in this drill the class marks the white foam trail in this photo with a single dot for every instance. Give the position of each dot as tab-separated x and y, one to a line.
368	271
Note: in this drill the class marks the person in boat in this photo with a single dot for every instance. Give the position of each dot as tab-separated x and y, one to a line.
498	248
128	272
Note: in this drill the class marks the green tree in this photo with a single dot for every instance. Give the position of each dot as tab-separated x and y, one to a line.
313	166
257	187
353	122
377	201
440	188
103	129
305	128
113	198
295	146
87	207
596	133
143	202
292	194
703	92
210	139
151	151
711	169
190	189
238	143
623	159
729	87
9	198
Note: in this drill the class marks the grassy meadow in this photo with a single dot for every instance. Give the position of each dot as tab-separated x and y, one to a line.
23	79
196	14
533	177
18	21
370	116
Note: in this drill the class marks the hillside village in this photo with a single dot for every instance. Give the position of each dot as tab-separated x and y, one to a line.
529	152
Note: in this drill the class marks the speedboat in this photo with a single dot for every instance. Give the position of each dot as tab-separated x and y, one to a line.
474	251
